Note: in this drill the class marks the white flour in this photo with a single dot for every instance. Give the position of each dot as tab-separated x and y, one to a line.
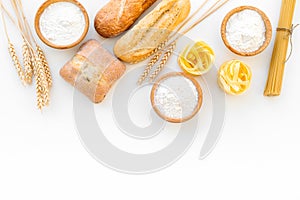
62	23
176	97
246	31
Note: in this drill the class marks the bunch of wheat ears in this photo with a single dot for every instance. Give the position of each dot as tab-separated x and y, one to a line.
163	52
35	65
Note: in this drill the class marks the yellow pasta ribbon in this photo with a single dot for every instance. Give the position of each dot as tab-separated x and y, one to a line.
196	59
234	77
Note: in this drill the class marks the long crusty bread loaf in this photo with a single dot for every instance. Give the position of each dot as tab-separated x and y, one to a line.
118	15
93	70
138	43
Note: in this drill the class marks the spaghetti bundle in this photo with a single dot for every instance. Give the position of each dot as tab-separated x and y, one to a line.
284	32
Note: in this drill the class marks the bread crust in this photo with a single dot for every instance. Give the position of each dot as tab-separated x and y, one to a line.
138	43
118	15
93	71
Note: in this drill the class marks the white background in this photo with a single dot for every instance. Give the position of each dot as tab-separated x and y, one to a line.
258	156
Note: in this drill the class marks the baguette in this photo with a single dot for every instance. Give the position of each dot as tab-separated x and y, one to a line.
118	15
140	42
93	70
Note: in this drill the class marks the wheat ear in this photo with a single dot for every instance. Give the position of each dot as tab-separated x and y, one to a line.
164	60
158	51
44	61
149	67
27	63
42	90
39	89
16	61
160	46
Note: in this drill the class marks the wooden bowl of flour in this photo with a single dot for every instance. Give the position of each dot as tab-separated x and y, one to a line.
176	97
242	47
79	33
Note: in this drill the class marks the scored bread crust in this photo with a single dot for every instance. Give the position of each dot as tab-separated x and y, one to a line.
138	43
118	15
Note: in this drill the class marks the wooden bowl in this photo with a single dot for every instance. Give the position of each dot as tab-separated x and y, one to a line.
267	25
45	40
169	75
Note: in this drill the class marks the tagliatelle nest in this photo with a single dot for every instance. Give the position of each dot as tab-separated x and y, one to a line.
196	59
234	77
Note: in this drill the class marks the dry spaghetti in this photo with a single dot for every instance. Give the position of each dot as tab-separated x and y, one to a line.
276	72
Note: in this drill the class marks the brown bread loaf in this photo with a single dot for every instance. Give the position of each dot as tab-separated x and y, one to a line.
93	70
118	15
138	43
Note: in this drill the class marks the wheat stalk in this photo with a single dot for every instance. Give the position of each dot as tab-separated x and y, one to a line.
158	51
44	61
42	90
160	46
16	62
170	48
34	60
150	65
27	63
39	87
164	60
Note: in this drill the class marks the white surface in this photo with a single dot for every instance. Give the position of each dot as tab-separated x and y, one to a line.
258	156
